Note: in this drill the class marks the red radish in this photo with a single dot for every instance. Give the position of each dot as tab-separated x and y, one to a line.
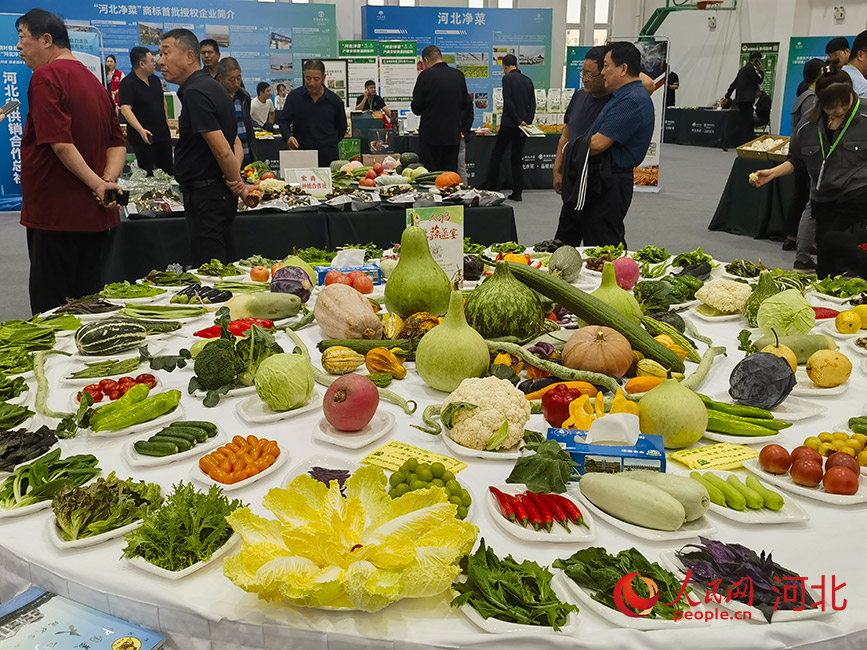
626	271
350	402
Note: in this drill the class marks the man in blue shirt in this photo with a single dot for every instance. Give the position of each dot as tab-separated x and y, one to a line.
624	127
857	65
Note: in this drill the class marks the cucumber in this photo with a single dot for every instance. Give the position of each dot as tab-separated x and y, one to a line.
180	433
182	443
633	501
209	427
753	498
155	448
692	495
200	435
773	500
713	493
803	345
734	499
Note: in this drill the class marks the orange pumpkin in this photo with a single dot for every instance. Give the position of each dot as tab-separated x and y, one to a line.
447	179
598	349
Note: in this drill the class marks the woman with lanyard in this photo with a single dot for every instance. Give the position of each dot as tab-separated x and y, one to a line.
833	146
112	78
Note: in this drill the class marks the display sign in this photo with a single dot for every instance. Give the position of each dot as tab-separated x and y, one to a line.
575	56
398	69
770	55
315	180
16	79
801	50
444	225
472	40
363	60
337	77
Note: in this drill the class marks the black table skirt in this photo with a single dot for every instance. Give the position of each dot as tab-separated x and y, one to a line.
702	127
539	154
137	246
755	212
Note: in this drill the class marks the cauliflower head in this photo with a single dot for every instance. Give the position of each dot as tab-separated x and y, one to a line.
728	296
482	410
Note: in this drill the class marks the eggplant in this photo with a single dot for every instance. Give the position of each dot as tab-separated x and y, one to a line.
532	385
473	267
700	271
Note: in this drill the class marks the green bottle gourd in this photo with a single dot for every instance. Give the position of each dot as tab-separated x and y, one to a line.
452	351
765	288
612	295
417	283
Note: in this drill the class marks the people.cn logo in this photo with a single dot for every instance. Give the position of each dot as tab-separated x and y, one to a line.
627	601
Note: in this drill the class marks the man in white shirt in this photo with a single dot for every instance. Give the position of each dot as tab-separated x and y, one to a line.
262	108
857	65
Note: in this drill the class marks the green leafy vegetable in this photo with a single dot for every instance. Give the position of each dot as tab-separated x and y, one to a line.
21	446
651	254
171	278
189	527
545	472
508	247
608	253
104	505
11	415
371	250
594	569
448	414
316	256
841	287
11	387
697	256
473	249
44	478
108	368
126	290
257	260
257	345
745	343
510	591
16	359
216	268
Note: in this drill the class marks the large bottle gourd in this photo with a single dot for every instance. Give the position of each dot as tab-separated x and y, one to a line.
417	282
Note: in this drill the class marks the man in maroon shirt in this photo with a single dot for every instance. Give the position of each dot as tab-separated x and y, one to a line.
72	152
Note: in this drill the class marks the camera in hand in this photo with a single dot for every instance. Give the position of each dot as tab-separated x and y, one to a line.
112	195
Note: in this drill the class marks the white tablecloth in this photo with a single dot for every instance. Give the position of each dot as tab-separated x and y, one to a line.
206	610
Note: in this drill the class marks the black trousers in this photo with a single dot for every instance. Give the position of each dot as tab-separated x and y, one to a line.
797	203
157	155
210	212
746	130
842	253
847	217
439	158
63	265
513	138
601	221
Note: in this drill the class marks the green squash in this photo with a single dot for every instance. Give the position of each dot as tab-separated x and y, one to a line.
565	263
337	164
417	283
765	288
504	306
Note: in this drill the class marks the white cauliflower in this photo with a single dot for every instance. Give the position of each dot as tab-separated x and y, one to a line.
727	296
497	402
272	185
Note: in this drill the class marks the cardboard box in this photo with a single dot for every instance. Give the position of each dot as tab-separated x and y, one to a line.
776	154
743	152
648	453
372	271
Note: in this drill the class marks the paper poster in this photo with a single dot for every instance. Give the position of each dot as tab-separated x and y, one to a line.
362	57
315	180
398	71
444	226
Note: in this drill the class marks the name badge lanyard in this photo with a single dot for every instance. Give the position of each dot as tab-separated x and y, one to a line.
839	137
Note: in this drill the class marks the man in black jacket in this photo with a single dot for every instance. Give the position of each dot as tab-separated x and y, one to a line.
519	108
745	86
762	107
440	97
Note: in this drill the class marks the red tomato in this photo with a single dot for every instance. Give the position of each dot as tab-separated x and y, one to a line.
362	283
124	388
775	459
107	385
150	383
114	394
336	277
366	182
840	480
259	274
371	174
123	381
97	396
145	377
91	387
377	168
267	175
807	472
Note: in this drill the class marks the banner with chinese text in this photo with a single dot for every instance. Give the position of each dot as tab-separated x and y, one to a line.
363	65
444	225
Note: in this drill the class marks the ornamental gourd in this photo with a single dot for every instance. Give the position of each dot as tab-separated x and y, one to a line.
344	313
596	348
447	179
503	306
417	282
109	337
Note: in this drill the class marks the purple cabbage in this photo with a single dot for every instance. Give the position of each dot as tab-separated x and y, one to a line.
292	279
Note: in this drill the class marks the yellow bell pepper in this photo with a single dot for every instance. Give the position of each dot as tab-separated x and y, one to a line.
600	406
579	418
506	359
622	405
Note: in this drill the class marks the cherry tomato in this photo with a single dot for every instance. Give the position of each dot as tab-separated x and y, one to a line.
206	464
145	377
231	446
113	394
273	449
239	465
252	440
225	465
150	383
239	440
218	475
91	387
255	453
246	458
252	470
235	477
107	385
266	461
97	396
125	380
124	388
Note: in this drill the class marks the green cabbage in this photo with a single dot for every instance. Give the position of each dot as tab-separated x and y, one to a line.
786	313
285	381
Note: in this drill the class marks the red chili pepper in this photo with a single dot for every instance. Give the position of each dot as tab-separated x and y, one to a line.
209	332
556	510
555	404
236	327
571	509
520	510
506	508
544	510
825	312
535	517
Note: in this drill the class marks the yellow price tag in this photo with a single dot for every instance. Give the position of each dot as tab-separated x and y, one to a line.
392	455
723	455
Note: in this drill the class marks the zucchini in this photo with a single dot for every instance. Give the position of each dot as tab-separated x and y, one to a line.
692	495
595	312
209	427
633	501
734	499
754	499
109	337
182	443
155	448
772	500
712	491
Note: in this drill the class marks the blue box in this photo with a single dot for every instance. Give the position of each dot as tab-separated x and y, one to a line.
648	453
371	270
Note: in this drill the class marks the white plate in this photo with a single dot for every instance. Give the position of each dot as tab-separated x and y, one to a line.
54	535
855	347
496	626
790	513
233	392
198	475
671	562
806	387
74	403
818	493
731	276
144	300
326	462
171	416
87	318
791	410
829	327
41	505
585	601
460	450
691	529
740	440
139	460
254	411
833	299
210	279
715	319
380	425
578	533
22	398
863	365
680	306
142	369
144	565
